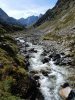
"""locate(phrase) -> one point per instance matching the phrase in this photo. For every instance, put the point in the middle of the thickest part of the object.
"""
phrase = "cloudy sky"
(25, 8)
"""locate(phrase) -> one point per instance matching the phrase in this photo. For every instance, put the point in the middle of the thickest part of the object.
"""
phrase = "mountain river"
(50, 83)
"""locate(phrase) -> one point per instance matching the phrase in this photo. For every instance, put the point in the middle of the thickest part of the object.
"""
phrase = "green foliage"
(17, 28)
(20, 60)
(10, 74)
(52, 36)
(5, 88)
(2, 31)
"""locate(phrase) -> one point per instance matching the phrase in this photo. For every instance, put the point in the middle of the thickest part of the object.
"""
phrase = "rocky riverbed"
(48, 67)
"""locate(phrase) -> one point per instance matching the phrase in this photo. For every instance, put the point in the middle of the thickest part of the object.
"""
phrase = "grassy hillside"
(5, 28)
(15, 83)
(63, 22)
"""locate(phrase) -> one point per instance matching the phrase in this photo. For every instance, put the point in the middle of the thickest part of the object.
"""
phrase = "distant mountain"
(9, 24)
(30, 20)
(9, 20)
(12, 21)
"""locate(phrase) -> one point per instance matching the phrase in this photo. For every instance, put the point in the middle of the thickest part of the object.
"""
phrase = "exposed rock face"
(28, 21)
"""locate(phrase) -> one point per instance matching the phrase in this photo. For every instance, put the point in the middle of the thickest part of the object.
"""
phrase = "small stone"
(27, 64)
(36, 77)
(45, 60)
(26, 45)
(27, 56)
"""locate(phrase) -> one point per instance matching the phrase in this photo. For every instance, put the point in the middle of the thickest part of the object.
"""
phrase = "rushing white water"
(49, 85)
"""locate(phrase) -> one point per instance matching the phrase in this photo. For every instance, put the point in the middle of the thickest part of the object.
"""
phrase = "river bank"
(45, 66)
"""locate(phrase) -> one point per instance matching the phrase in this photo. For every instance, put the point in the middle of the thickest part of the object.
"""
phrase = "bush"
(2, 30)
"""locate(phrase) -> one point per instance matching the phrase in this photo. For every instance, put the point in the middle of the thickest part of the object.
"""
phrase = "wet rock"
(45, 60)
(45, 73)
(33, 50)
(37, 83)
(25, 51)
(36, 77)
(57, 62)
(33, 72)
(26, 45)
(50, 56)
(44, 54)
(53, 77)
(27, 56)
(46, 51)
(27, 64)
(56, 56)
(62, 53)
(64, 61)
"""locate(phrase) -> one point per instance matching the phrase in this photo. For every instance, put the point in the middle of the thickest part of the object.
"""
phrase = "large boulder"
(56, 56)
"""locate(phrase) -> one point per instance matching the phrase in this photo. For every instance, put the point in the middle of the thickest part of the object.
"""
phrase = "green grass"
(2, 30)
(11, 75)
(52, 37)
(44, 25)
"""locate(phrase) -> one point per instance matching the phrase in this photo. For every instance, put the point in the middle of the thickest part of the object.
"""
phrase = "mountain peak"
(29, 20)
(3, 15)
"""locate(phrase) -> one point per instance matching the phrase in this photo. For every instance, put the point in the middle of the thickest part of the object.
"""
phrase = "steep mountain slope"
(30, 20)
(3, 15)
(58, 21)
(57, 29)
(61, 6)
(7, 19)
(8, 24)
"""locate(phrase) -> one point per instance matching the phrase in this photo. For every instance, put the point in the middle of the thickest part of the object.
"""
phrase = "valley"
(36, 60)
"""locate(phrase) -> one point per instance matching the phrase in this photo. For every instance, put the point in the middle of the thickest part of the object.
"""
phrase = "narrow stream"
(50, 83)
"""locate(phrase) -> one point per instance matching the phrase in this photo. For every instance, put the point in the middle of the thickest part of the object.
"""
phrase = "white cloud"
(24, 8)
(25, 13)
